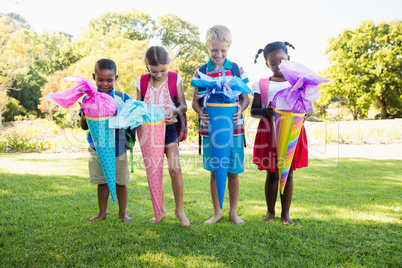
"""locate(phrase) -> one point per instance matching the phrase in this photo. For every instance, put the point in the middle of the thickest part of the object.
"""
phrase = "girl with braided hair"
(264, 155)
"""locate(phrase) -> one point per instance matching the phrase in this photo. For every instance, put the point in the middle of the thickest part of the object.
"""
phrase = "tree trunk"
(383, 107)
(354, 112)
(1, 123)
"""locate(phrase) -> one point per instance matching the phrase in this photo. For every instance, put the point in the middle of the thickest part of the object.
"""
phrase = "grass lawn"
(347, 215)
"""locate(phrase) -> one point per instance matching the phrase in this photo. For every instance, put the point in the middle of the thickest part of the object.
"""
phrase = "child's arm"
(170, 114)
(257, 111)
(138, 94)
(197, 108)
(245, 101)
(182, 100)
(83, 121)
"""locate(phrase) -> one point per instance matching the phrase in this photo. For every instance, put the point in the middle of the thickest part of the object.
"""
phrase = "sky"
(307, 24)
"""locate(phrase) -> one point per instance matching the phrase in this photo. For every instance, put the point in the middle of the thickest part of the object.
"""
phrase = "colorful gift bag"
(287, 127)
(98, 108)
(290, 105)
(151, 136)
(220, 104)
(220, 129)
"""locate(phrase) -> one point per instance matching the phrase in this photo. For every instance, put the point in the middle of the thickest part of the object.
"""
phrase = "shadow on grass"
(43, 222)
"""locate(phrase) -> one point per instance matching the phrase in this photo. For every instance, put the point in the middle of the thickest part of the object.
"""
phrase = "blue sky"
(254, 23)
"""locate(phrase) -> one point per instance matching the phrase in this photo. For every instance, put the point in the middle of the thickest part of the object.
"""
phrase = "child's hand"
(237, 115)
(169, 117)
(83, 121)
(82, 110)
(307, 115)
(270, 110)
(204, 117)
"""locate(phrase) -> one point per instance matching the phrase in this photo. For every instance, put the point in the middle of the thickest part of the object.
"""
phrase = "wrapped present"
(221, 105)
(98, 108)
(290, 105)
(151, 136)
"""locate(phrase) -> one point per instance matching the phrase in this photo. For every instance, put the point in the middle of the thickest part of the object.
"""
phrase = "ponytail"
(289, 45)
(256, 55)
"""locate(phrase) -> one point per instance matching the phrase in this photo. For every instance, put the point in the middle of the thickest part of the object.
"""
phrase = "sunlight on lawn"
(362, 214)
(339, 213)
(5, 192)
(157, 258)
(46, 164)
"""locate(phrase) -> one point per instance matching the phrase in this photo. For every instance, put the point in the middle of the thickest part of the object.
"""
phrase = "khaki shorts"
(95, 169)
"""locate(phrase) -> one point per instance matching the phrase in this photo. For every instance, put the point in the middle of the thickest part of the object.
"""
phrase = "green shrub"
(3, 146)
(192, 125)
(13, 108)
(40, 145)
(13, 138)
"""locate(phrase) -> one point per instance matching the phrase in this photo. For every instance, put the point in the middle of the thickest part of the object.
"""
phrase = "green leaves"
(366, 67)
(35, 64)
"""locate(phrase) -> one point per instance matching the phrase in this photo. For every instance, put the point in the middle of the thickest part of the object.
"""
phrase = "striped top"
(217, 74)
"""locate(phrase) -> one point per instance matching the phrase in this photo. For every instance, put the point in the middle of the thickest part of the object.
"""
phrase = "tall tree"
(133, 25)
(14, 53)
(52, 52)
(183, 39)
(127, 54)
(367, 66)
(130, 25)
(53, 85)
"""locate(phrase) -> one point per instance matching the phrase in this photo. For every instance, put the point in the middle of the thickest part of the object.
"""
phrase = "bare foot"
(125, 218)
(182, 218)
(236, 220)
(97, 218)
(153, 220)
(214, 219)
(269, 217)
(286, 219)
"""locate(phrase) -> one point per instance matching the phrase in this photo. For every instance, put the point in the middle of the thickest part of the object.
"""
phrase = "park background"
(354, 139)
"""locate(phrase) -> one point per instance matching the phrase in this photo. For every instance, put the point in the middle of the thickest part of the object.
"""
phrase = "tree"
(51, 52)
(53, 85)
(14, 54)
(131, 25)
(367, 66)
(183, 39)
(127, 54)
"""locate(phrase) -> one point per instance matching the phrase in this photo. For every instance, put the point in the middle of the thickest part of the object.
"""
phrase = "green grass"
(347, 215)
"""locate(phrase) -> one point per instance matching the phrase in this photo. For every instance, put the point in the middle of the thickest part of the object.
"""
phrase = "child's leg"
(122, 193)
(215, 201)
(163, 210)
(176, 176)
(271, 192)
(233, 187)
(103, 196)
(286, 199)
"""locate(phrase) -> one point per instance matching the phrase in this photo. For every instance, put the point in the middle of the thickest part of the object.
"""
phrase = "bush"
(13, 109)
(40, 134)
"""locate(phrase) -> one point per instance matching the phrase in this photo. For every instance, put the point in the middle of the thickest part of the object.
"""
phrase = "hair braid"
(256, 55)
(289, 45)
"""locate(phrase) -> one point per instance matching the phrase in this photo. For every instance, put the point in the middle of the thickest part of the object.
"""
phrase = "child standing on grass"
(157, 60)
(105, 76)
(218, 43)
(264, 155)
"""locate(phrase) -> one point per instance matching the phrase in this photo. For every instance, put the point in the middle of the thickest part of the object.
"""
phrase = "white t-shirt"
(273, 88)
